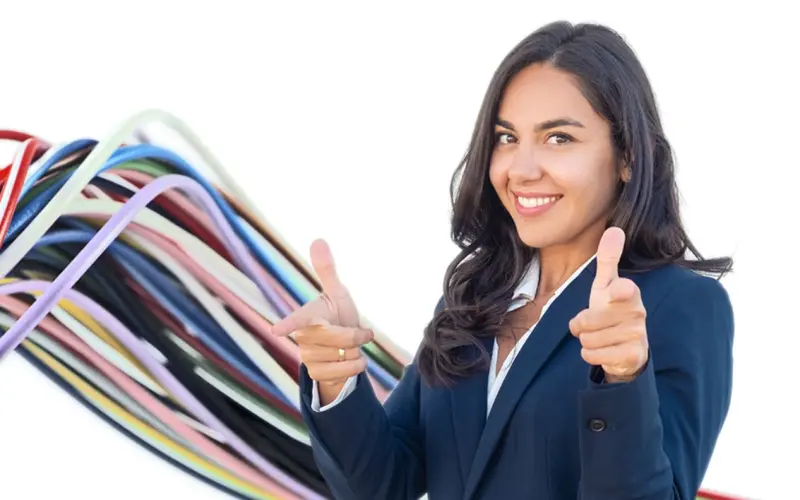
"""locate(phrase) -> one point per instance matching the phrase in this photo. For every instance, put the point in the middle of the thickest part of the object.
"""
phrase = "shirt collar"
(526, 290)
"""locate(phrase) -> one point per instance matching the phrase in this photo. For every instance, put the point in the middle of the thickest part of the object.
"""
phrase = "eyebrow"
(547, 125)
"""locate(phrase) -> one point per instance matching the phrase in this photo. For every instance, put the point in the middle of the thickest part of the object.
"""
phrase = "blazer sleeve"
(652, 438)
(365, 450)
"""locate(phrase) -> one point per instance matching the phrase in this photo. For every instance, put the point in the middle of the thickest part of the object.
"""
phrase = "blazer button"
(597, 425)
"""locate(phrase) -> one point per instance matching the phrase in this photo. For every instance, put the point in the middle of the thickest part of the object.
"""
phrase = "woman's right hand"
(327, 329)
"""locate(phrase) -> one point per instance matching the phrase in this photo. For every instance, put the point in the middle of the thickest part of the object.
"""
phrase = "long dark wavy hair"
(479, 283)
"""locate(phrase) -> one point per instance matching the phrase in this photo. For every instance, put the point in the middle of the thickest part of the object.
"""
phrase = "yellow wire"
(85, 319)
(98, 330)
(98, 399)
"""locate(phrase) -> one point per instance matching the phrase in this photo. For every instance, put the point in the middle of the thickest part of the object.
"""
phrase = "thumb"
(609, 253)
(325, 267)
(320, 309)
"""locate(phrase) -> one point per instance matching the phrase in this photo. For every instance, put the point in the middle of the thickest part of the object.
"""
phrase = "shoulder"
(674, 286)
(686, 311)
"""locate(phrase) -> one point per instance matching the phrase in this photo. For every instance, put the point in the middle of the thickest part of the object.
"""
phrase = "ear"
(626, 174)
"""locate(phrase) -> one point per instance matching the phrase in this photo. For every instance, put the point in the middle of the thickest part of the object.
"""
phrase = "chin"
(537, 239)
(544, 235)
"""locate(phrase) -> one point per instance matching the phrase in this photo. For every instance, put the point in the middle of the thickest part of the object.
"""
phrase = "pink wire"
(283, 345)
(203, 219)
(157, 408)
(90, 253)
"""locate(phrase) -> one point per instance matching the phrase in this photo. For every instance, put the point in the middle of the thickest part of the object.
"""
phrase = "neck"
(559, 262)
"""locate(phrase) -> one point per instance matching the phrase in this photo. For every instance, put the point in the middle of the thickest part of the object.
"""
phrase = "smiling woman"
(554, 166)
(578, 350)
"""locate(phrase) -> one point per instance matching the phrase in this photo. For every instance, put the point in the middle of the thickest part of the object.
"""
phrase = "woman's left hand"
(612, 330)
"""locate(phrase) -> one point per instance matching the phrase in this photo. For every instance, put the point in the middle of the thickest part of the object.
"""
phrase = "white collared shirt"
(524, 293)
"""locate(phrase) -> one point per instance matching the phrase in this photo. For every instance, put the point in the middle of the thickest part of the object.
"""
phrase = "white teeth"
(536, 202)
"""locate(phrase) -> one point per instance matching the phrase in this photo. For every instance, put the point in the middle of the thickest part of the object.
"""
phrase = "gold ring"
(342, 353)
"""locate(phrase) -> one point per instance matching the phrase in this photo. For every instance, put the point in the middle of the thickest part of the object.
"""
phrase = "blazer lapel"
(550, 332)
(468, 405)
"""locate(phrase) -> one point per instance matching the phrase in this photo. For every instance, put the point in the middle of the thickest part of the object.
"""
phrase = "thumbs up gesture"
(612, 330)
(327, 329)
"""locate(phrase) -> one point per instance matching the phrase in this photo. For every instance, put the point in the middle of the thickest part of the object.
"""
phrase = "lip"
(534, 211)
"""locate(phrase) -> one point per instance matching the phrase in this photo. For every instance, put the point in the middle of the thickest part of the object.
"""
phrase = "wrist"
(329, 391)
(610, 378)
(628, 376)
(618, 379)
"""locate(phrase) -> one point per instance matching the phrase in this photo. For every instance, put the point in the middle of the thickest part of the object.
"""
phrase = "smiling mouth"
(534, 204)
(536, 201)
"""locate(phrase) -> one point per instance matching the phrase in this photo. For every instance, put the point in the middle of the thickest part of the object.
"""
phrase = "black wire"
(55, 378)
(104, 282)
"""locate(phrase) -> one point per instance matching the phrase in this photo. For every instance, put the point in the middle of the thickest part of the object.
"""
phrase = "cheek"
(498, 176)
(588, 183)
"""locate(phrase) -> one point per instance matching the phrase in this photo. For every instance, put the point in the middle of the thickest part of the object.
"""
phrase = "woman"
(577, 351)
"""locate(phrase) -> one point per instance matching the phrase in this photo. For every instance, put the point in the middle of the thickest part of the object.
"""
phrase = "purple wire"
(61, 287)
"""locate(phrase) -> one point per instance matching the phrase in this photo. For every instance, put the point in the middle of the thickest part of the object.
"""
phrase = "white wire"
(104, 384)
(225, 272)
(106, 351)
(95, 161)
(266, 363)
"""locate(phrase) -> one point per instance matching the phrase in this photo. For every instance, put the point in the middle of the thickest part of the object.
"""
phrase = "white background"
(345, 121)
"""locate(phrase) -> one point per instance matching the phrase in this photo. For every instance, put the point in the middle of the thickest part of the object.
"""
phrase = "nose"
(525, 165)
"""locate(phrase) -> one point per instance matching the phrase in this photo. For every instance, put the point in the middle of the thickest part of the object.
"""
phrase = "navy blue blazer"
(555, 430)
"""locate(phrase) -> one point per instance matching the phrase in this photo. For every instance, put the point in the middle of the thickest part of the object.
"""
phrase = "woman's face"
(553, 165)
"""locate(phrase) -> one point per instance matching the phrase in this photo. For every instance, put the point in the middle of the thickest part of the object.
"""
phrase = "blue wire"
(195, 318)
(194, 315)
(123, 255)
(126, 154)
(62, 153)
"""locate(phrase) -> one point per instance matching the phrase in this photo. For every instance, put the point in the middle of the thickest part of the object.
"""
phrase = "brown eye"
(559, 139)
(504, 138)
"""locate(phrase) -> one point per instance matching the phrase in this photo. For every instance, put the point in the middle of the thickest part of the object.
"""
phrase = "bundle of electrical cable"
(145, 287)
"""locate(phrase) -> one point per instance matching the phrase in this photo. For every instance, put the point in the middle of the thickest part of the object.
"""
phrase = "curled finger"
(312, 353)
(336, 371)
(334, 336)
(617, 334)
(316, 311)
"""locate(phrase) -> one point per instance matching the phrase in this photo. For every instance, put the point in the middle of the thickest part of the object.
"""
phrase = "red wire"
(30, 148)
(15, 135)
(711, 495)
(37, 146)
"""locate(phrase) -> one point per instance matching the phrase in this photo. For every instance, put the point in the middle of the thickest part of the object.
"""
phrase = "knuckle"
(634, 329)
(595, 340)
(354, 337)
(301, 336)
(306, 335)
(626, 285)
(366, 335)
(579, 321)
(314, 372)
(632, 356)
